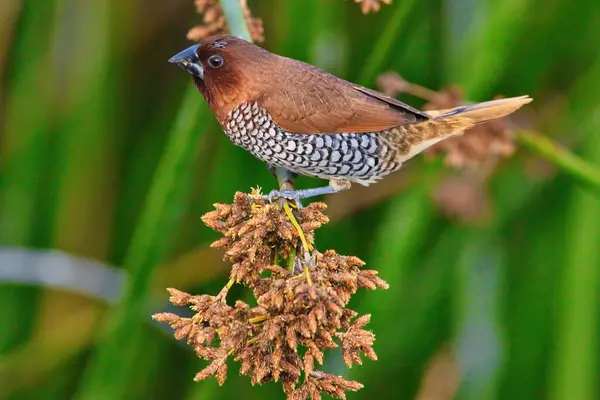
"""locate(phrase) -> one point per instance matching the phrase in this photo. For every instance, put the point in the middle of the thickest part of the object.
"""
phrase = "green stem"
(574, 367)
(235, 19)
(507, 20)
(104, 377)
(560, 157)
(25, 114)
(291, 258)
(576, 324)
(384, 45)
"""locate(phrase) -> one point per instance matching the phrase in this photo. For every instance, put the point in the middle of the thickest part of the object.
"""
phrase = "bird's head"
(227, 70)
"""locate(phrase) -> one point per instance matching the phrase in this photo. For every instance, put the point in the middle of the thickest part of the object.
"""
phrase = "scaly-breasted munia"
(295, 117)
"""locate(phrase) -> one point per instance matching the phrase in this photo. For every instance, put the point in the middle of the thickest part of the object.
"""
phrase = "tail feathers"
(486, 111)
(452, 122)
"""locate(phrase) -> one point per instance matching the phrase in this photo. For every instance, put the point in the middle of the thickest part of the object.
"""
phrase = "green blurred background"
(108, 158)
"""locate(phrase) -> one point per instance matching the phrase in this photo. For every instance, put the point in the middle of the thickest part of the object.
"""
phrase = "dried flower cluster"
(301, 302)
(441, 378)
(464, 198)
(214, 21)
(368, 6)
(483, 144)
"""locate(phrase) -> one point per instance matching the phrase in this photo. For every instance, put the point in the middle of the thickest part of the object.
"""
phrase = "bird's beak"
(189, 61)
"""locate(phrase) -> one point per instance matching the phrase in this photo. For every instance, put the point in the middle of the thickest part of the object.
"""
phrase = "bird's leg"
(283, 176)
(272, 170)
(286, 184)
(335, 186)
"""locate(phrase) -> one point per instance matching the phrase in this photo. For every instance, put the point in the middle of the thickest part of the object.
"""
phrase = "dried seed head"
(392, 84)
(464, 198)
(255, 25)
(368, 6)
(283, 338)
(214, 22)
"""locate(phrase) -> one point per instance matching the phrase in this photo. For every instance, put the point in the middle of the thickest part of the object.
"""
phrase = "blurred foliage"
(107, 152)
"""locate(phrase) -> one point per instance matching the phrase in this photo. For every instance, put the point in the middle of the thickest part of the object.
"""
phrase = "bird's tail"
(455, 121)
(483, 112)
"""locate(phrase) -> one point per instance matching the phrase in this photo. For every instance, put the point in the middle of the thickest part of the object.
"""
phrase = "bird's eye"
(215, 61)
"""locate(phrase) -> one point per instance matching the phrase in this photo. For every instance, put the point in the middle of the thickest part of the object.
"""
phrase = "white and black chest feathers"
(358, 157)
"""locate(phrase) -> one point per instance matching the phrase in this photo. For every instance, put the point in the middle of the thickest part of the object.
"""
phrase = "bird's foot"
(297, 195)
(290, 195)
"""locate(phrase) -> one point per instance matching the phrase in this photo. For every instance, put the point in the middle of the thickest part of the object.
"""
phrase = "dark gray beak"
(189, 61)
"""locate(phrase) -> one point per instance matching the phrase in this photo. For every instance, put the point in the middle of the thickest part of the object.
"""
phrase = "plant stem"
(561, 157)
(104, 378)
(291, 258)
(381, 51)
(235, 19)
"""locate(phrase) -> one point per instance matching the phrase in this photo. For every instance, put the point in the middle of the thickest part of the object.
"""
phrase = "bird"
(301, 120)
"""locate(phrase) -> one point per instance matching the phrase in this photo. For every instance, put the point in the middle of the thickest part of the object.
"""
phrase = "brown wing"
(304, 99)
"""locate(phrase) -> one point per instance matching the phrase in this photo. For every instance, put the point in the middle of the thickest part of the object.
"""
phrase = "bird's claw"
(291, 195)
